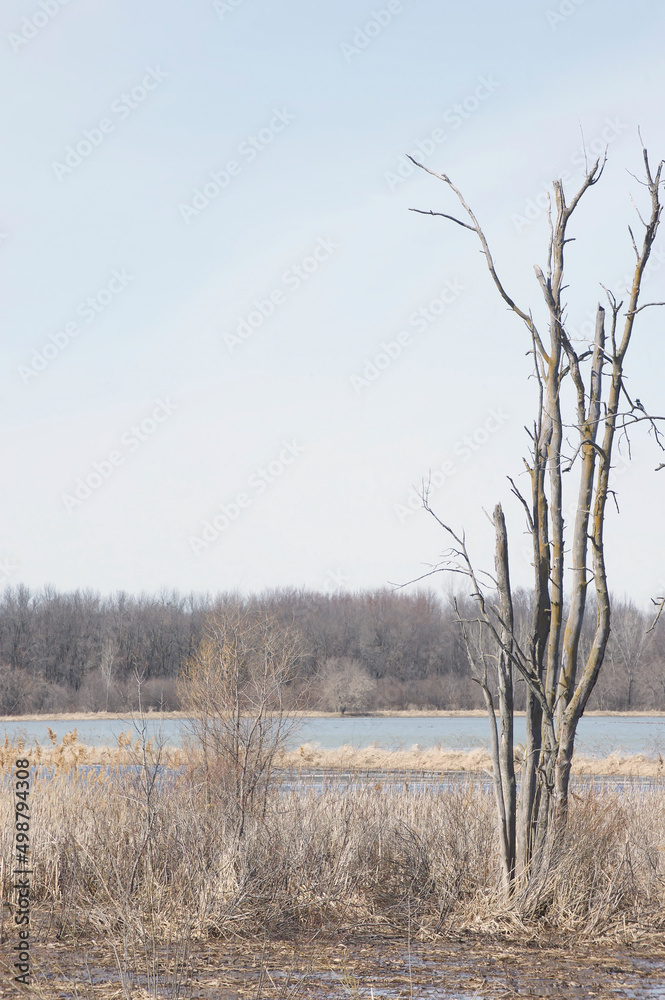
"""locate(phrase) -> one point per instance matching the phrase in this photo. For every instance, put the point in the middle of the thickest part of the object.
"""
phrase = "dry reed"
(70, 752)
(146, 861)
(346, 758)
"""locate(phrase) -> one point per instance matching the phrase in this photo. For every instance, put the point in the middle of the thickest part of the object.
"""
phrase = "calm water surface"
(597, 735)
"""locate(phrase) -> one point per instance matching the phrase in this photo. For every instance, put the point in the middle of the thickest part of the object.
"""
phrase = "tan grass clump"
(141, 854)
(348, 758)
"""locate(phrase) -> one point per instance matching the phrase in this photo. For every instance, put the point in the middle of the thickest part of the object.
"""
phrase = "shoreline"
(407, 713)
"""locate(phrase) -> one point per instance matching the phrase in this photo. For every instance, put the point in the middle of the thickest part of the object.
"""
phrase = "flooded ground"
(364, 967)
(418, 782)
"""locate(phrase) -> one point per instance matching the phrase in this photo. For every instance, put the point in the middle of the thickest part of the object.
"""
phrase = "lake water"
(597, 735)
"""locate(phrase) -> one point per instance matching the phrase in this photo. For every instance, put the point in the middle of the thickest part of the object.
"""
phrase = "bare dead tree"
(659, 603)
(559, 680)
(501, 735)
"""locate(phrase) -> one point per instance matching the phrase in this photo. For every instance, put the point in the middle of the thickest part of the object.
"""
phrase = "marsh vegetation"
(140, 858)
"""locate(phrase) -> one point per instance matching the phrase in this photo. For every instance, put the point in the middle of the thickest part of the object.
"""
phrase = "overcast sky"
(230, 352)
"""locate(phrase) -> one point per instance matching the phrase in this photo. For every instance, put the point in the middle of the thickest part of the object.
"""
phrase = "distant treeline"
(369, 650)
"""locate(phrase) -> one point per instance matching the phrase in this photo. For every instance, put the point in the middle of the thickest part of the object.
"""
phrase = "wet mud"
(356, 966)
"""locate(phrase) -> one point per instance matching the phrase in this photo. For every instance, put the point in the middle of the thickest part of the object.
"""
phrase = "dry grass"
(71, 753)
(145, 861)
(346, 758)
(139, 863)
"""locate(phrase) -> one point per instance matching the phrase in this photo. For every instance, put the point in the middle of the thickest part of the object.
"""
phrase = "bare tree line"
(365, 651)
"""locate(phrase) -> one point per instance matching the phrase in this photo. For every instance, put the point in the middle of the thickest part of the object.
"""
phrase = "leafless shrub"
(346, 686)
(234, 688)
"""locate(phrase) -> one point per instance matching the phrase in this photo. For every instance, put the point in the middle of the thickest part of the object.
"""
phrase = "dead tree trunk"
(558, 682)
(501, 735)
(506, 705)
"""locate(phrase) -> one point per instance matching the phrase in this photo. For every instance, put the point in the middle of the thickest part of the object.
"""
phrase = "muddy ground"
(360, 966)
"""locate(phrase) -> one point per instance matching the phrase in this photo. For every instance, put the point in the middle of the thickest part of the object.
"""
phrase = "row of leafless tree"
(372, 650)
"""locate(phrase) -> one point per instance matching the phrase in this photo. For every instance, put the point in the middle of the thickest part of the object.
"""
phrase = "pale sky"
(230, 352)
